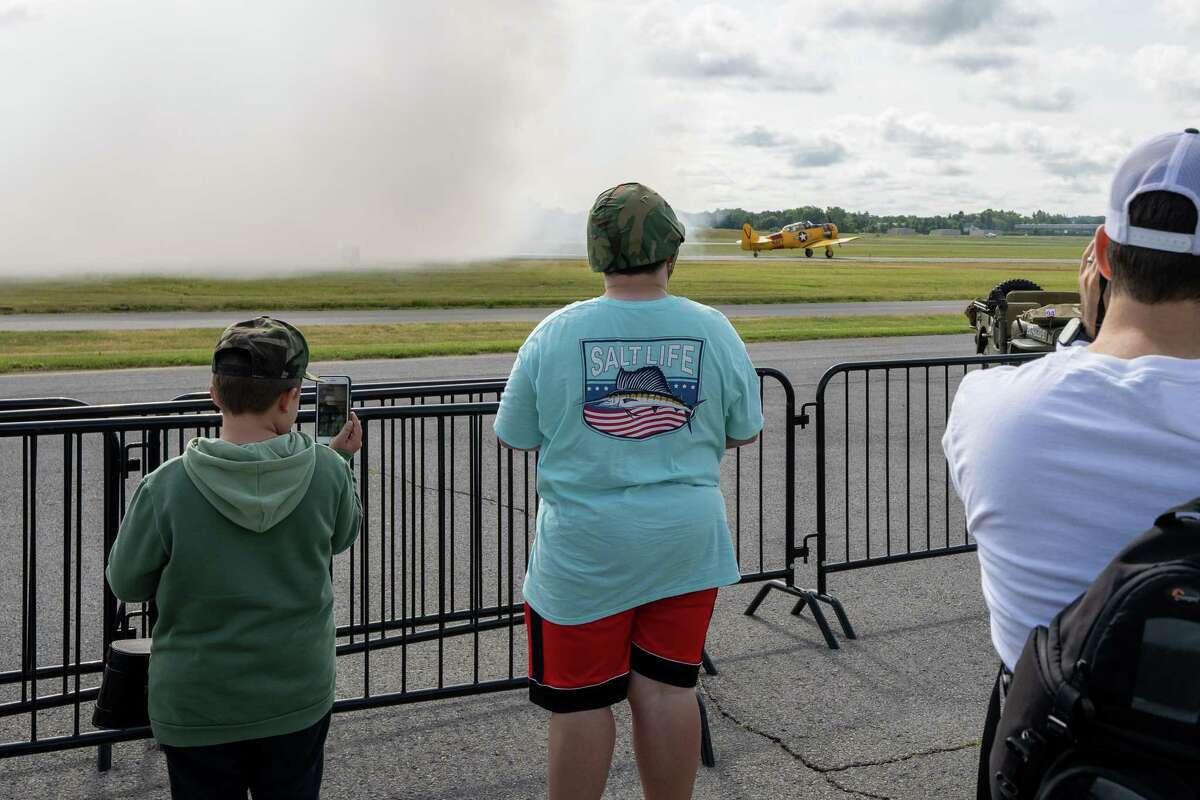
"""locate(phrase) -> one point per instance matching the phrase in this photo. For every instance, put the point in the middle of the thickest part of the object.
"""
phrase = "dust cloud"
(223, 137)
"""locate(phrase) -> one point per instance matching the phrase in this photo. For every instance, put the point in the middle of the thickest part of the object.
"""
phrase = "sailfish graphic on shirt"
(640, 405)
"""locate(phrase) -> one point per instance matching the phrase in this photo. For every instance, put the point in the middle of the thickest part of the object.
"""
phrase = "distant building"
(902, 232)
(945, 232)
(1067, 228)
(975, 231)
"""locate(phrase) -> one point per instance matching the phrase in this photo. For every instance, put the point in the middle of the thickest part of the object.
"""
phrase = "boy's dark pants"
(273, 768)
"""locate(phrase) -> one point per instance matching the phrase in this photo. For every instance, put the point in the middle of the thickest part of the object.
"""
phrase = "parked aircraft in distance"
(798, 234)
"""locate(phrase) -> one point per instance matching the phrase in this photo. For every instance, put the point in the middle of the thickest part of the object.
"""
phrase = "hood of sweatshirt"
(254, 486)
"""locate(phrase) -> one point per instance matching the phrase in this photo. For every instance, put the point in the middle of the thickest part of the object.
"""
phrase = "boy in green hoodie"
(233, 540)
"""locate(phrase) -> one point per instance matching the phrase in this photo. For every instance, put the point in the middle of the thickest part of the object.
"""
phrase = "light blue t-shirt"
(629, 403)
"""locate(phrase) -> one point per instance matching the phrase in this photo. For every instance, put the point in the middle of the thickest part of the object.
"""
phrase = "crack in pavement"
(827, 773)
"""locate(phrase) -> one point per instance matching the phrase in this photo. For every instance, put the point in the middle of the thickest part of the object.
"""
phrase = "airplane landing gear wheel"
(829, 252)
(808, 252)
(756, 254)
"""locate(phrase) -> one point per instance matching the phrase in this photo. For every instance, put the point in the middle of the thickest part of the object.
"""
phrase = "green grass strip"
(526, 283)
(31, 351)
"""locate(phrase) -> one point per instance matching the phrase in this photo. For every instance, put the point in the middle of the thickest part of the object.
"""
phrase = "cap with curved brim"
(1168, 163)
(264, 349)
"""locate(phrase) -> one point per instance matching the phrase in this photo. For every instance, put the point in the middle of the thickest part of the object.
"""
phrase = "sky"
(161, 135)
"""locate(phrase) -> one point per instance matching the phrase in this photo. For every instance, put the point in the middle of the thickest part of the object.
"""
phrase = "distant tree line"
(866, 222)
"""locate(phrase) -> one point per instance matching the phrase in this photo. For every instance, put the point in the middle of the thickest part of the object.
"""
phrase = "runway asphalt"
(217, 319)
(893, 714)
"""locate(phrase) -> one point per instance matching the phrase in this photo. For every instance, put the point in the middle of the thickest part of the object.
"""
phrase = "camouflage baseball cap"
(630, 226)
(264, 348)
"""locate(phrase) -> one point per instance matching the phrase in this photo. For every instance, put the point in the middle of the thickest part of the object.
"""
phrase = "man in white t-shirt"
(1063, 461)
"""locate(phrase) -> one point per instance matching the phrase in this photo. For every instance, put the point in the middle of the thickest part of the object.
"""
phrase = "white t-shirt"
(1060, 463)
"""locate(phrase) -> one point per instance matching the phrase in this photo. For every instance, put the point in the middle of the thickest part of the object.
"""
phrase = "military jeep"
(1018, 316)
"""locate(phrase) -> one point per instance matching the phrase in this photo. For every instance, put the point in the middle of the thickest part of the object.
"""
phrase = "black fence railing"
(24, 403)
(426, 601)
(882, 488)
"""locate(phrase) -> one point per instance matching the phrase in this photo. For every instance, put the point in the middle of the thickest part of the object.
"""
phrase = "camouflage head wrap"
(631, 226)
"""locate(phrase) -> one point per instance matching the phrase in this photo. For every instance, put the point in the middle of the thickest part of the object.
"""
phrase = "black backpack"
(1105, 702)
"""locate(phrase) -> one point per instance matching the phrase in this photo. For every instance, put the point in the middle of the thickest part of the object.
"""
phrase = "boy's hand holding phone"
(349, 441)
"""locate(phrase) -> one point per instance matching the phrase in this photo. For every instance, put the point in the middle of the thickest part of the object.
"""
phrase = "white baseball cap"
(1167, 163)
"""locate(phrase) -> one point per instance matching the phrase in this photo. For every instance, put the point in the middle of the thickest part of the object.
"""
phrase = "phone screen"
(333, 407)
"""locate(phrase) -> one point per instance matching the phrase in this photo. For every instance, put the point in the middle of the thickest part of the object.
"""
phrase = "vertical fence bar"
(907, 459)
(946, 464)
(511, 519)
(789, 481)
(927, 503)
(66, 561)
(78, 576)
(27, 496)
(33, 596)
(846, 458)
(761, 445)
(441, 512)
(820, 490)
(867, 457)
(364, 550)
(887, 457)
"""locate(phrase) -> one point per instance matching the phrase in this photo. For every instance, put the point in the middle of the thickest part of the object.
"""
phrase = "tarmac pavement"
(893, 714)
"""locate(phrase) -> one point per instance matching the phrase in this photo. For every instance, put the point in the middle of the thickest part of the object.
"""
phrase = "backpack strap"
(1190, 509)
(1062, 713)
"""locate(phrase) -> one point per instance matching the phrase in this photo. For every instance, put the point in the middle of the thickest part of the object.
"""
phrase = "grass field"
(526, 283)
(69, 350)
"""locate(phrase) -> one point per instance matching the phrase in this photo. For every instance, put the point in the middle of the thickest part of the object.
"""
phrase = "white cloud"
(1185, 12)
(975, 60)
(1026, 78)
(760, 137)
(812, 149)
(14, 15)
(921, 134)
(718, 45)
(819, 151)
(1170, 70)
(1063, 152)
(1032, 97)
(935, 21)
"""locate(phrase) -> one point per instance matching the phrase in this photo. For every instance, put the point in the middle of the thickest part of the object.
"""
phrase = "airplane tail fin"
(747, 236)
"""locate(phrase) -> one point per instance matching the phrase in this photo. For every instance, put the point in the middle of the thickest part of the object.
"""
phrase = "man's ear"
(284, 403)
(212, 392)
(1101, 254)
(671, 265)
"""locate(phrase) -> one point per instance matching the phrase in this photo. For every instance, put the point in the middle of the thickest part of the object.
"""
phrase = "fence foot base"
(104, 758)
(707, 663)
(843, 620)
(813, 601)
(707, 757)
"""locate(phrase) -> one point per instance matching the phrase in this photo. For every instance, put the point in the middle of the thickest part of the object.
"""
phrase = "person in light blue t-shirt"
(630, 399)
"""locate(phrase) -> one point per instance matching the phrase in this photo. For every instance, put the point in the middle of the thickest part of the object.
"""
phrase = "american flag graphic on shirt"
(638, 389)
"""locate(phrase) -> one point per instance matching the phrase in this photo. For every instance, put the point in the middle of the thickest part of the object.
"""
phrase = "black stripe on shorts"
(663, 670)
(565, 701)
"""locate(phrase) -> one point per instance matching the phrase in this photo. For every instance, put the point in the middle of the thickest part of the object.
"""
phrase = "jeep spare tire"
(1013, 285)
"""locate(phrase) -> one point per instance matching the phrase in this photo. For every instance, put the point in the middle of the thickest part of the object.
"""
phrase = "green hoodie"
(233, 544)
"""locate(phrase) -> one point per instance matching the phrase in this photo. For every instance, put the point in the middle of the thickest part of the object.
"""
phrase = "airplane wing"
(837, 241)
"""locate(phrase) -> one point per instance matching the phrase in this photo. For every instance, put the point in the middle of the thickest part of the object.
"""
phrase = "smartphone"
(333, 406)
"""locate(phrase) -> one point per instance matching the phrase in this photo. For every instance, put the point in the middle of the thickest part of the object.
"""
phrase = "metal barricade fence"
(882, 489)
(24, 403)
(427, 599)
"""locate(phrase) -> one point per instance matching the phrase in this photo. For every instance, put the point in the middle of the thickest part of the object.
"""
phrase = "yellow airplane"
(799, 234)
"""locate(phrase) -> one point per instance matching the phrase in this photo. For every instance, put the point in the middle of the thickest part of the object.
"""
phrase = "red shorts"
(581, 667)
